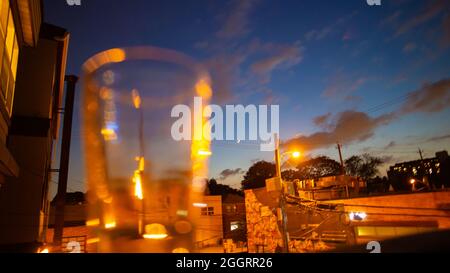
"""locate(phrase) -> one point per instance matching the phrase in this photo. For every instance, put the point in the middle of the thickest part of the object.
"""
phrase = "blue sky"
(384, 68)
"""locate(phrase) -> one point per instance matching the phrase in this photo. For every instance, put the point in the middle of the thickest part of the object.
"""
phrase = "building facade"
(78, 237)
(234, 221)
(32, 83)
(315, 226)
(209, 230)
(325, 188)
(434, 173)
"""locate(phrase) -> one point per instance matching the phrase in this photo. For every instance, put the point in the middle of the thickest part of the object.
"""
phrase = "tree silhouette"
(290, 175)
(257, 174)
(365, 166)
(214, 188)
(321, 166)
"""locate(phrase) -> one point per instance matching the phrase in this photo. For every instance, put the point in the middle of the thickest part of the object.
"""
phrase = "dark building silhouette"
(33, 56)
(234, 221)
(434, 173)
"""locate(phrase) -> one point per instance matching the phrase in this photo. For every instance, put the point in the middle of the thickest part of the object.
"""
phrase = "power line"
(389, 103)
(315, 208)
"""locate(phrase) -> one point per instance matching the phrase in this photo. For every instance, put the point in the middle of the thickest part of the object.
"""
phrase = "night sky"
(375, 78)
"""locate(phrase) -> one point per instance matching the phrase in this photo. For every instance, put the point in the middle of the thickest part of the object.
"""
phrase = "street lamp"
(204, 153)
(295, 154)
(200, 205)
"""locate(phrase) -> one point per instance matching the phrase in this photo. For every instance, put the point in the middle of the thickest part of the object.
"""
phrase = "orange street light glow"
(204, 153)
(136, 99)
(155, 236)
(110, 225)
(296, 154)
(203, 89)
(155, 232)
(200, 205)
(412, 181)
(141, 164)
(93, 241)
(180, 250)
(93, 223)
(109, 134)
(44, 251)
(138, 186)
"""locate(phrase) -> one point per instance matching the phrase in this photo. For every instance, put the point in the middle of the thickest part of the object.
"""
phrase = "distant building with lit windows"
(433, 172)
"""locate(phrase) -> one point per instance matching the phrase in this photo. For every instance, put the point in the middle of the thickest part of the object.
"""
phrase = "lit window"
(9, 54)
(235, 225)
(231, 208)
(209, 211)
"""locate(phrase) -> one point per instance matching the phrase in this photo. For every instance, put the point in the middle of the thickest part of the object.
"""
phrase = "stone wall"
(263, 232)
(80, 231)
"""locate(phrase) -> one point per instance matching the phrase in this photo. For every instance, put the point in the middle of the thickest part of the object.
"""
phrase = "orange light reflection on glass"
(203, 89)
(136, 99)
(93, 223)
(109, 134)
(110, 225)
(44, 251)
(155, 232)
(138, 185)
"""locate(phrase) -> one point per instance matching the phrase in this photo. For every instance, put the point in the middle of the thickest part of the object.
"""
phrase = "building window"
(9, 55)
(389, 232)
(235, 225)
(209, 211)
(231, 208)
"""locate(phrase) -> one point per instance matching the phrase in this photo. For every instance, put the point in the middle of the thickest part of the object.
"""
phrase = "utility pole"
(282, 198)
(421, 154)
(424, 171)
(71, 82)
(339, 147)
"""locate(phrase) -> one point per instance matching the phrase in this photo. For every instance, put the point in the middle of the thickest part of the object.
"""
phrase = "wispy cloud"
(238, 63)
(391, 144)
(323, 120)
(225, 70)
(430, 98)
(409, 47)
(347, 127)
(283, 56)
(439, 138)
(342, 86)
(236, 23)
(446, 28)
(433, 9)
(230, 172)
(201, 45)
(249, 66)
(353, 126)
(391, 19)
(326, 31)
